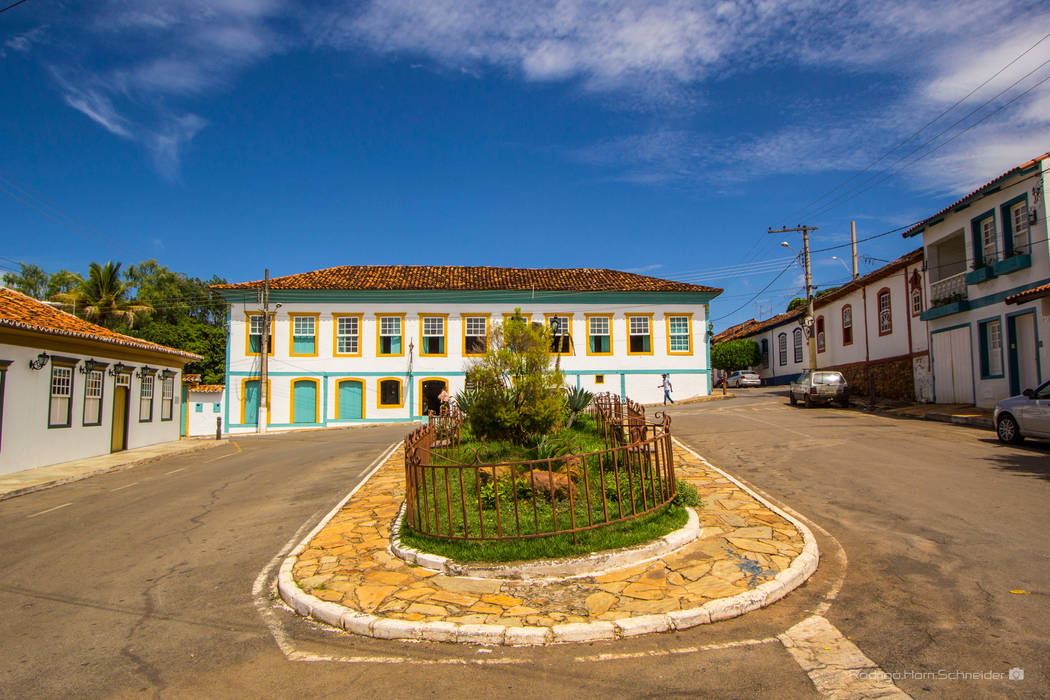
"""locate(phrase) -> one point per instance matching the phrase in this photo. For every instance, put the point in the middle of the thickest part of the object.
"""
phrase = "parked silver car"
(738, 379)
(820, 386)
(1027, 415)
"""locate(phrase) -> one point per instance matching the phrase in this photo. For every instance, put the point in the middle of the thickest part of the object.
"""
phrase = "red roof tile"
(208, 388)
(20, 311)
(1023, 166)
(1042, 290)
(455, 277)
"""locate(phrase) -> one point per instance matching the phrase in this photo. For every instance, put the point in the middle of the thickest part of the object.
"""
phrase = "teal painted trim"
(1011, 325)
(981, 274)
(578, 376)
(933, 372)
(439, 373)
(438, 296)
(411, 395)
(1013, 263)
(1008, 222)
(945, 310)
(983, 301)
(226, 394)
(623, 385)
(984, 350)
(343, 421)
(324, 402)
(978, 244)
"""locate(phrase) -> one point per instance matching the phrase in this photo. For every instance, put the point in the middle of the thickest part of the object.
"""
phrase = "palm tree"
(101, 298)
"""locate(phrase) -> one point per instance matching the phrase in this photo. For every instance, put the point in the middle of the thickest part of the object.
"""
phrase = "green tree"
(103, 298)
(799, 302)
(517, 394)
(31, 280)
(194, 336)
(733, 355)
(63, 281)
(173, 295)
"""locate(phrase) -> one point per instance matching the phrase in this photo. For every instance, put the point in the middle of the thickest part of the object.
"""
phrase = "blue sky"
(228, 136)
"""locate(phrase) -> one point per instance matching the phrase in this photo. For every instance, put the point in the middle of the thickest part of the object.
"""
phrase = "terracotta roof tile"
(749, 328)
(208, 388)
(1042, 290)
(20, 311)
(1023, 166)
(454, 277)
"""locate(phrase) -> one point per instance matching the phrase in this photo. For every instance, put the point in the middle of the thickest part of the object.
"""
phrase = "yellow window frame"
(379, 322)
(667, 324)
(627, 318)
(588, 318)
(572, 343)
(244, 384)
(317, 399)
(291, 333)
(248, 333)
(400, 392)
(420, 390)
(444, 335)
(463, 322)
(360, 334)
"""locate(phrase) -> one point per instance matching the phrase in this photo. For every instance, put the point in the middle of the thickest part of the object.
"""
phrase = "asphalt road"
(141, 582)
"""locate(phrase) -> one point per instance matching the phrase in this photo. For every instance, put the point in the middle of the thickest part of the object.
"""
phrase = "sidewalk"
(960, 414)
(743, 557)
(39, 478)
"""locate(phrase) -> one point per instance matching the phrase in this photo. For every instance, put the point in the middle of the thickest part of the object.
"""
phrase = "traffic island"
(745, 554)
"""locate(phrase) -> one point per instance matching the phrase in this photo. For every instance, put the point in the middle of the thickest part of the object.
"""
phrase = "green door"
(350, 398)
(305, 398)
(251, 402)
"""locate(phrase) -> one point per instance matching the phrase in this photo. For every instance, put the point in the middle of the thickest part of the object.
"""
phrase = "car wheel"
(791, 398)
(1008, 430)
(809, 401)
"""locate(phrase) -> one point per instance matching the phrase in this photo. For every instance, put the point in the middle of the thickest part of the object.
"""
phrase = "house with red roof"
(362, 343)
(70, 389)
(988, 288)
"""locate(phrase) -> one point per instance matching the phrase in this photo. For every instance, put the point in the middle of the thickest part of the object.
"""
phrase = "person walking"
(666, 386)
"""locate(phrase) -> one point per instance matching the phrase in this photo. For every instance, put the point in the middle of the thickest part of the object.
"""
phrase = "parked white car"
(1027, 415)
(738, 379)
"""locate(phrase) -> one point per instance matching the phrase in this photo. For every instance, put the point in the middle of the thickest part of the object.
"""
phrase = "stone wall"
(892, 378)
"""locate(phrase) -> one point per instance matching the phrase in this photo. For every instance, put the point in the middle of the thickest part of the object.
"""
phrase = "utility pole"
(853, 241)
(264, 395)
(804, 230)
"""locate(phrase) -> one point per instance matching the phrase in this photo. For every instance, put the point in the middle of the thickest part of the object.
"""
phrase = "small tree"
(516, 392)
(734, 355)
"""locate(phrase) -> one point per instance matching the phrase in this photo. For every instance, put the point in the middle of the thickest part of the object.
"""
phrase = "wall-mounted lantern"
(40, 361)
(90, 366)
(119, 368)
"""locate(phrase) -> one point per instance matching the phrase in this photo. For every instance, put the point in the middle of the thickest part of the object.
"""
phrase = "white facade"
(872, 321)
(985, 248)
(49, 415)
(201, 409)
(328, 377)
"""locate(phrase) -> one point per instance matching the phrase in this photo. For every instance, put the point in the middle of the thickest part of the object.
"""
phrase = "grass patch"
(642, 529)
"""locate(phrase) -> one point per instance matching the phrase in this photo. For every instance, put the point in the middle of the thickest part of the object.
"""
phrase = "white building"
(202, 407)
(358, 344)
(870, 329)
(986, 255)
(70, 389)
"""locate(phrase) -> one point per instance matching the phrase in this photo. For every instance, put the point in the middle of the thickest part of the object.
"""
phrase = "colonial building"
(201, 406)
(70, 389)
(870, 329)
(988, 264)
(356, 344)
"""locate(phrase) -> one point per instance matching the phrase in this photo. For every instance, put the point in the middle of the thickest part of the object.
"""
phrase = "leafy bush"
(687, 495)
(516, 392)
(577, 399)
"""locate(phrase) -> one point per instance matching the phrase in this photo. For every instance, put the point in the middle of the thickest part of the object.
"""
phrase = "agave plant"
(465, 400)
(577, 399)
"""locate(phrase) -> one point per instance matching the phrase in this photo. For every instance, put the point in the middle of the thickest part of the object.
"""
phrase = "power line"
(12, 5)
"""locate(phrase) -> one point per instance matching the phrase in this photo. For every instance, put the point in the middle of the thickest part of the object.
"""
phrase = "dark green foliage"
(29, 280)
(577, 399)
(799, 302)
(103, 298)
(687, 495)
(194, 336)
(516, 392)
(733, 355)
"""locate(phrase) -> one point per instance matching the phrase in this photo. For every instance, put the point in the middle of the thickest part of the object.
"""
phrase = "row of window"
(433, 334)
(884, 304)
(60, 407)
(1014, 221)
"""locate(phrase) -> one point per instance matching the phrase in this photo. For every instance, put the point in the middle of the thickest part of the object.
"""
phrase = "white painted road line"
(49, 510)
(837, 667)
(125, 486)
(229, 454)
(173, 471)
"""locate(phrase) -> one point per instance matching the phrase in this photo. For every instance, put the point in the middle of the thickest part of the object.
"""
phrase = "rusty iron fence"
(452, 494)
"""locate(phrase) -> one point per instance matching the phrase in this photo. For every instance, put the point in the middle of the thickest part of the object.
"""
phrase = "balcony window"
(1019, 224)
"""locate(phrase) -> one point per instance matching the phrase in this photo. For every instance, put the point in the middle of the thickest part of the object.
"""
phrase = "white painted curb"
(390, 628)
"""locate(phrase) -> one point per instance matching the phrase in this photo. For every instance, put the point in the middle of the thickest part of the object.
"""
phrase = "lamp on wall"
(119, 368)
(90, 366)
(145, 370)
(40, 361)
(167, 373)
(710, 330)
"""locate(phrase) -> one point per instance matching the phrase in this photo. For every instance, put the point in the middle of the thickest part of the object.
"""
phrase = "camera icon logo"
(1016, 674)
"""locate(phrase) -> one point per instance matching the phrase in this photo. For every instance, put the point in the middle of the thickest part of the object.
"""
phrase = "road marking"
(229, 454)
(174, 471)
(835, 665)
(776, 425)
(125, 486)
(49, 510)
(673, 652)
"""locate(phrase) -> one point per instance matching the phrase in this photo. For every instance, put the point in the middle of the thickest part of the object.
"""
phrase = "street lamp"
(835, 257)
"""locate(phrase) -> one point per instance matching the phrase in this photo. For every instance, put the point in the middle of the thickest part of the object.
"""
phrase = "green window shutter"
(199, 408)
(303, 345)
(646, 344)
(255, 343)
(395, 345)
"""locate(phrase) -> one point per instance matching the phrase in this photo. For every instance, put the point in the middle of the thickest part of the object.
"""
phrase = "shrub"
(687, 495)
(516, 392)
(577, 399)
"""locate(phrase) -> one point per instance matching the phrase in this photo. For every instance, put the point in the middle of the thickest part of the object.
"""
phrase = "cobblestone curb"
(565, 568)
(365, 624)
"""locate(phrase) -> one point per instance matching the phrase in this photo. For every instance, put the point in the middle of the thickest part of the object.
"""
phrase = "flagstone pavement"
(742, 545)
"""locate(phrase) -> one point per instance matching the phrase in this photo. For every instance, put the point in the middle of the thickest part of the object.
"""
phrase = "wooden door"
(119, 435)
